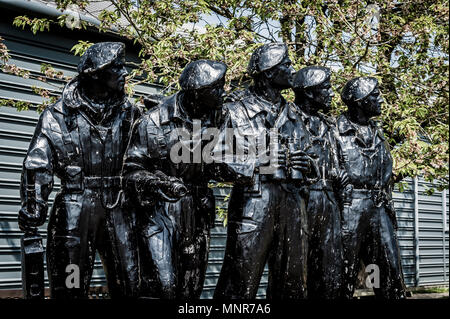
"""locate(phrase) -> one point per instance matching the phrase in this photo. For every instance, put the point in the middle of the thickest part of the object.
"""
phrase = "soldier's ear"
(269, 74)
(309, 94)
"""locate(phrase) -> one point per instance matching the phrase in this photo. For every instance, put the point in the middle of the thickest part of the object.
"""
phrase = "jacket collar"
(347, 127)
(72, 99)
(170, 108)
(255, 104)
(344, 125)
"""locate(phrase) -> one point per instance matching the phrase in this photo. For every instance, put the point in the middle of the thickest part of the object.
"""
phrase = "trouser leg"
(157, 256)
(325, 246)
(192, 245)
(70, 248)
(353, 233)
(288, 257)
(249, 236)
(387, 258)
(193, 261)
(117, 246)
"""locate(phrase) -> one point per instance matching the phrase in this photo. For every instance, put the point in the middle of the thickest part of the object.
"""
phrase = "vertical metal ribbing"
(416, 231)
(444, 226)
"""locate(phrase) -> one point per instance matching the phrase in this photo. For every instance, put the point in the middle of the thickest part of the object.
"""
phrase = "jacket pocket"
(74, 180)
(246, 227)
(151, 230)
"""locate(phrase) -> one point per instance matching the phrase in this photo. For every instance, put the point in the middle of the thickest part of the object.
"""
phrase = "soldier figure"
(82, 139)
(313, 93)
(368, 216)
(266, 212)
(174, 226)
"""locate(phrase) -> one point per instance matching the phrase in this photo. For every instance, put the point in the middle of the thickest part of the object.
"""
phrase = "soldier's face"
(323, 95)
(114, 75)
(212, 96)
(372, 103)
(283, 74)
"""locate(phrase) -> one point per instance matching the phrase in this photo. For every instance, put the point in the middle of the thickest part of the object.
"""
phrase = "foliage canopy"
(405, 44)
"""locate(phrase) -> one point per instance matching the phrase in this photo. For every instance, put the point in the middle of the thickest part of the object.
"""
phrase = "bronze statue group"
(313, 213)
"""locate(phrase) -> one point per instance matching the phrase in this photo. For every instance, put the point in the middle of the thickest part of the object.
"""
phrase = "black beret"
(358, 88)
(202, 73)
(311, 76)
(266, 57)
(100, 55)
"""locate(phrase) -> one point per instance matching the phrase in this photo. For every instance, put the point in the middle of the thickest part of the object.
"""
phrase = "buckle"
(377, 197)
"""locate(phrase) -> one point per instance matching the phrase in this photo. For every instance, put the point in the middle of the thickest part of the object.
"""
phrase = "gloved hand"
(300, 160)
(170, 188)
(30, 220)
(342, 179)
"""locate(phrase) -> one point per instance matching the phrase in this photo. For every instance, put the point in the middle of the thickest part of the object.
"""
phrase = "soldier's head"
(362, 94)
(270, 63)
(202, 84)
(312, 84)
(103, 66)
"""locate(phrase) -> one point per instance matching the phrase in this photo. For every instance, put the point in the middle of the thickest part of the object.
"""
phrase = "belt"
(377, 195)
(95, 182)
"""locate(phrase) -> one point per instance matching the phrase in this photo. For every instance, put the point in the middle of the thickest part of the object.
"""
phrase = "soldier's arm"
(36, 180)
(226, 167)
(143, 181)
(341, 184)
(388, 190)
(137, 166)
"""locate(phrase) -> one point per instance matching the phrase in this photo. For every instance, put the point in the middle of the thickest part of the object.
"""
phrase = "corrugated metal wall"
(16, 128)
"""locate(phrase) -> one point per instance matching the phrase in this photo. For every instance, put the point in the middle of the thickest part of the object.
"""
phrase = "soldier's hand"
(170, 188)
(282, 158)
(343, 179)
(28, 221)
(300, 160)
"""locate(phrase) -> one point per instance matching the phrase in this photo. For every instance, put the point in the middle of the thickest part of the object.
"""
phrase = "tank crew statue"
(81, 139)
(174, 226)
(266, 212)
(368, 216)
(313, 95)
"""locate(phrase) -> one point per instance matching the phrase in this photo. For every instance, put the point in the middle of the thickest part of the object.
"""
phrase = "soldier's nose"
(291, 69)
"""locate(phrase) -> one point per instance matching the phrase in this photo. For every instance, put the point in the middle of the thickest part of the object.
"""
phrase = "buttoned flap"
(73, 171)
(246, 227)
(152, 130)
(156, 141)
(54, 127)
(151, 230)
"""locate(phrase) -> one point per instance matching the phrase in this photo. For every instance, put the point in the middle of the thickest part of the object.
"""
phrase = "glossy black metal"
(266, 212)
(174, 226)
(368, 216)
(313, 95)
(81, 139)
